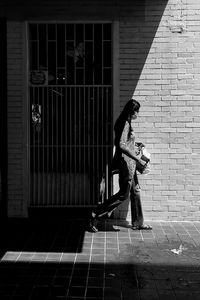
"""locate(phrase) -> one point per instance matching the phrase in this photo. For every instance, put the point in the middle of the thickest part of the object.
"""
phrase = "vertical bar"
(38, 157)
(93, 144)
(56, 146)
(106, 144)
(70, 145)
(52, 150)
(47, 122)
(84, 144)
(103, 112)
(79, 147)
(93, 52)
(84, 55)
(43, 147)
(33, 190)
(38, 46)
(75, 149)
(102, 58)
(47, 145)
(56, 122)
(102, 132)
(61, 146)
(34, 155)
(66, 196)
(98, 150)
(74, 56)
(89, 141)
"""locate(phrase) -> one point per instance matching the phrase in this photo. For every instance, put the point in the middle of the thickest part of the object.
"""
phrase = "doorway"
(71, 112)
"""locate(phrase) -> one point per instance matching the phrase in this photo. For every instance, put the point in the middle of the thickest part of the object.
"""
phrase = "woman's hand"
(141, 162)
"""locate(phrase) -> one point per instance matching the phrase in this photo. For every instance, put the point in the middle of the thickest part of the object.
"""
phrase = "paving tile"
(112, 292)
(97, 258)
(58, 291)
(99, 273)
(78, 272)
(146, 294)
(43, 280)
(111, 246)
(59, 281)
(166, 295)
(11, 256)
(76, 291)
(94, 292)
(183, 295)
(130, 294)
(67, 257)
(163, 284)
(95, 281)
(98, 251)
(80, 258)
(97, 245)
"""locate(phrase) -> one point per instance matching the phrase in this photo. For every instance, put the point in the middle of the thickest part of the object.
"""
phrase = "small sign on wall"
(38, 77)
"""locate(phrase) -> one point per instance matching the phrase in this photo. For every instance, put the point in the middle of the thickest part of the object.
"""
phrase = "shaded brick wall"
(16, 155)
(3, 119)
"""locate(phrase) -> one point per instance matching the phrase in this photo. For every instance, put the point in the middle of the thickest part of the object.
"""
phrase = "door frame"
(115, 87)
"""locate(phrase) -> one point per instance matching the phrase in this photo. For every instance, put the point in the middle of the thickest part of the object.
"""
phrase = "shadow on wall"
(136, 36)
(137, 31)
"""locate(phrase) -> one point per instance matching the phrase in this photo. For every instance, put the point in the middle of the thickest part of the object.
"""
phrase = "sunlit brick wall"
(160, 67)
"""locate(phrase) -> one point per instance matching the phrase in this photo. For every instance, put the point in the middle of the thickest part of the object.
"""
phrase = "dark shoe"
(91, 226)
(141, 227)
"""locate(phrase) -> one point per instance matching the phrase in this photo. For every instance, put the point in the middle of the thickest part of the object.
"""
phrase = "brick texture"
(16, 172)
(159, 66)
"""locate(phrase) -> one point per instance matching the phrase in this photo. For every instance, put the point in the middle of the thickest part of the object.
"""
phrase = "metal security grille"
(70, 94)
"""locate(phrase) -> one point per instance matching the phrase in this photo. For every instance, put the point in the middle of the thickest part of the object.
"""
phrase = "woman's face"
(135, 115)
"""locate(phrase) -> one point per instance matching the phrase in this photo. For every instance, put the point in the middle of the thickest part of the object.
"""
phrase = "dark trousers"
(129, 188)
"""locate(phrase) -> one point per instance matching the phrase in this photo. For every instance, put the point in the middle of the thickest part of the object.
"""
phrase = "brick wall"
(17, 201)
(168, 89)
(159, 47)
(3, 120)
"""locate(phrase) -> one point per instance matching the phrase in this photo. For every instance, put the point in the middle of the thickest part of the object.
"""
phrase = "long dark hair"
(129, 109)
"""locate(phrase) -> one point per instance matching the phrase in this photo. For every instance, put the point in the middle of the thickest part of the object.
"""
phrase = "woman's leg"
(114, 201)
(136, 206)
(111, 204)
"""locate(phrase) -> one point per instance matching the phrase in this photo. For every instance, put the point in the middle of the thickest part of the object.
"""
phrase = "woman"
(125, 160)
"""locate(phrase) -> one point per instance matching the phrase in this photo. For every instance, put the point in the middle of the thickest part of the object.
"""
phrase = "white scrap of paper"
(179, 250)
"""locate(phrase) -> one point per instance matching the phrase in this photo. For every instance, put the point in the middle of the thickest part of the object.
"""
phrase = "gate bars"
(70, 94)
(70, 144)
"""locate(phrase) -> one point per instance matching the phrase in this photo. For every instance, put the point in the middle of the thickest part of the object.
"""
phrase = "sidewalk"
(63, 261)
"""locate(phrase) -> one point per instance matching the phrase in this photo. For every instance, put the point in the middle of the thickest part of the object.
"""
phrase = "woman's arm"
(123, 143)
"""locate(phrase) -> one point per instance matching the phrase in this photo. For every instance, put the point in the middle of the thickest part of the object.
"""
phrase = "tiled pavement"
(60, 260)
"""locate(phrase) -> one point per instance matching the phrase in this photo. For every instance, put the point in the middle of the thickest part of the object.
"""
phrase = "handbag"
(142, 166)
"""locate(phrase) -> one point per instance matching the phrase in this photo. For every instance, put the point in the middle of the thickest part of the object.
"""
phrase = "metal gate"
(70, 94)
